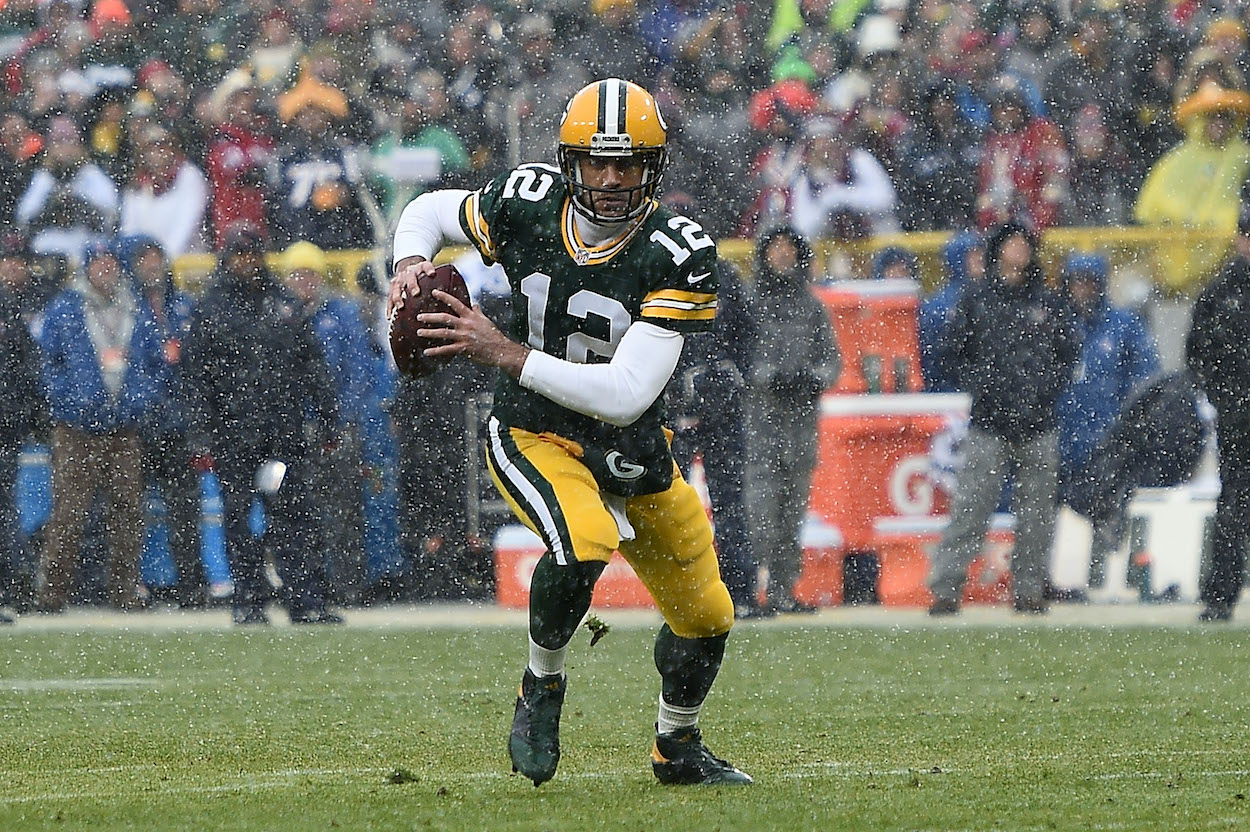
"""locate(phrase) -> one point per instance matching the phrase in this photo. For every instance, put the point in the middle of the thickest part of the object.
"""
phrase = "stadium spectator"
(1218, 354)
(257, 389)
(964, 256)
(617, 22)
(1024, 165)
(317, 186)
(1198, 184)
(776, 114)
(238, 161)
(1117, 356)
(1090, 76)
(795, 359)
(1037, 48)
(1012, 345)
(104, 371)
(893, 263)
(841, 191)
(167, 196)
(23, 412)
(939, 161)
(69, 202)
(19, 151)
(167, 451)
(335, 471)
(423, 121)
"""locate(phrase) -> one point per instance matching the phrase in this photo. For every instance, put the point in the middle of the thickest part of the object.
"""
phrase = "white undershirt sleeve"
(617, 392)
(428, 222)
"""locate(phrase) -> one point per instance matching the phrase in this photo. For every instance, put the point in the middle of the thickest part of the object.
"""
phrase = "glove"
(203, 462)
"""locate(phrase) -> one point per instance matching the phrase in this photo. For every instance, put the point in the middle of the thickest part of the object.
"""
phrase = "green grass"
(844, 729)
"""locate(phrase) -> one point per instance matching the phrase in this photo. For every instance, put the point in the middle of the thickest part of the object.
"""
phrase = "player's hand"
(405, 283)
(471, 334)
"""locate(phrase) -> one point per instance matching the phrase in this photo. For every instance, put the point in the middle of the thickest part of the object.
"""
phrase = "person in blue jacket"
(168, 458)
(338, 483)
(965, 262)
(105, 374)
(1118, 354)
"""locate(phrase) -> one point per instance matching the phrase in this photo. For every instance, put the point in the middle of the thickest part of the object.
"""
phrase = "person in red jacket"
(237, 162)
(1024, 167)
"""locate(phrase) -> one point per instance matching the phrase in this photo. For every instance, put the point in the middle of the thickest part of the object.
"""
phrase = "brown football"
(408, 347)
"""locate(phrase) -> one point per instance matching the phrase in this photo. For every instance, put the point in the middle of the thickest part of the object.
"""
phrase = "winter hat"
(1225, 27)
(304, 255)
(601, 6)
(1212, 98)
(1094, 266)
(310, 92)
(109, 11)
(95, 250)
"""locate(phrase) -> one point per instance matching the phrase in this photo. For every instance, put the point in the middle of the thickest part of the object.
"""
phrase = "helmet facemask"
(586, 198)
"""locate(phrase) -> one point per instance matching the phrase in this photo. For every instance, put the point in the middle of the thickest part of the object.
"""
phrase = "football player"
(605, 283)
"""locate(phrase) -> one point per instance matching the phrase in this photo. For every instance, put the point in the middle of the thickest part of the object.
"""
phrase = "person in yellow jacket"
(1197, 184)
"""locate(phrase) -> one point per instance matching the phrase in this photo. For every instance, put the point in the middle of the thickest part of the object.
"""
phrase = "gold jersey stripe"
(594, 255)
(666, 313)
(677, 304)
(478, 227)
(679, 295)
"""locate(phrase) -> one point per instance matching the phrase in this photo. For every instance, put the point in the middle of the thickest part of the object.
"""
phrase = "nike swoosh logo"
(698, 278)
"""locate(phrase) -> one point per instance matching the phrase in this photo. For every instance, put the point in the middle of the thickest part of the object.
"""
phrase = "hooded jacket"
(253, 372)
(23, 406)
(938, 311)
(795, 357)
(1012, 348)
(73, 375)
(1117, 356)
(1217, 349)
(1197, 186)
(173, 324)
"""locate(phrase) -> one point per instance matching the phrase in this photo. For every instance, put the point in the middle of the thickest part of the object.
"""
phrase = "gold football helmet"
(612, 118)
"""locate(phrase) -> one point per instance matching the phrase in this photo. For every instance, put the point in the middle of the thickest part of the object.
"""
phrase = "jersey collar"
(588, 255)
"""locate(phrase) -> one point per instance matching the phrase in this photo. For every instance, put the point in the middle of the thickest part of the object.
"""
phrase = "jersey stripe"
(477, 226)
(669, 314)
(603, 253)
(678, 295)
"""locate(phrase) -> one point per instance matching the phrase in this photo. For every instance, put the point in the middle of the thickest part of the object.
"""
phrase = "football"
(408, 347)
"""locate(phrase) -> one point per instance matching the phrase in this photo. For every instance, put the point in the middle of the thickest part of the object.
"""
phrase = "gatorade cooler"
(874, 460)
(875, 324)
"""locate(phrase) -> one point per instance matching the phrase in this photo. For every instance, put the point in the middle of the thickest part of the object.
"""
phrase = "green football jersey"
(575, 301)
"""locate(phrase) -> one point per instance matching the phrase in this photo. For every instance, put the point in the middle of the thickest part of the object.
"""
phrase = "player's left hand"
(470, 334)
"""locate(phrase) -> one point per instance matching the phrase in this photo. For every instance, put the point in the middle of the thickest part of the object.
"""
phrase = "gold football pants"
(544, 482)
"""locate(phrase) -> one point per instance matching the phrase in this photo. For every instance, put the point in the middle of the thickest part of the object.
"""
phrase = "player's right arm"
(427, 223)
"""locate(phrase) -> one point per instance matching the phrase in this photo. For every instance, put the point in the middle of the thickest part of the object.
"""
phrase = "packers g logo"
(622, 467)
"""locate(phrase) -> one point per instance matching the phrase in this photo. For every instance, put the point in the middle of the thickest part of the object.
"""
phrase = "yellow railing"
(1134, 249)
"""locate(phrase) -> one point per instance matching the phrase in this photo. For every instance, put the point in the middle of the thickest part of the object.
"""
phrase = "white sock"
(672, 718)
(544, 662)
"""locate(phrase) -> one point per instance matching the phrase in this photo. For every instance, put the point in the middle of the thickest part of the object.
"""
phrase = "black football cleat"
(681, 759)
(534, 744)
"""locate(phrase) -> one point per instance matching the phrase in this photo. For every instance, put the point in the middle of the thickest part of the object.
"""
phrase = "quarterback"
(605, 284)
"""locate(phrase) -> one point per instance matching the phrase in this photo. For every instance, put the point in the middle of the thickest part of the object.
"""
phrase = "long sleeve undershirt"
(617, 392)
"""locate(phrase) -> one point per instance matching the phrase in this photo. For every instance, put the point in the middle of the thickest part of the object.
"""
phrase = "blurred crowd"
(316, 120)
(133, 132)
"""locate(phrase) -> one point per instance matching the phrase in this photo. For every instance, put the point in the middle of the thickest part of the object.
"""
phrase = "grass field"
(876, 721)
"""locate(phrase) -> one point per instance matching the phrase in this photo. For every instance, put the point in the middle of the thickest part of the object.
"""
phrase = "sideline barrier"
(1136, 249)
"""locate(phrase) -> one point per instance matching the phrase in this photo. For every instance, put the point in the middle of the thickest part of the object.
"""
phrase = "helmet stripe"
(603, 105)
(614, 108)
(624, 125)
